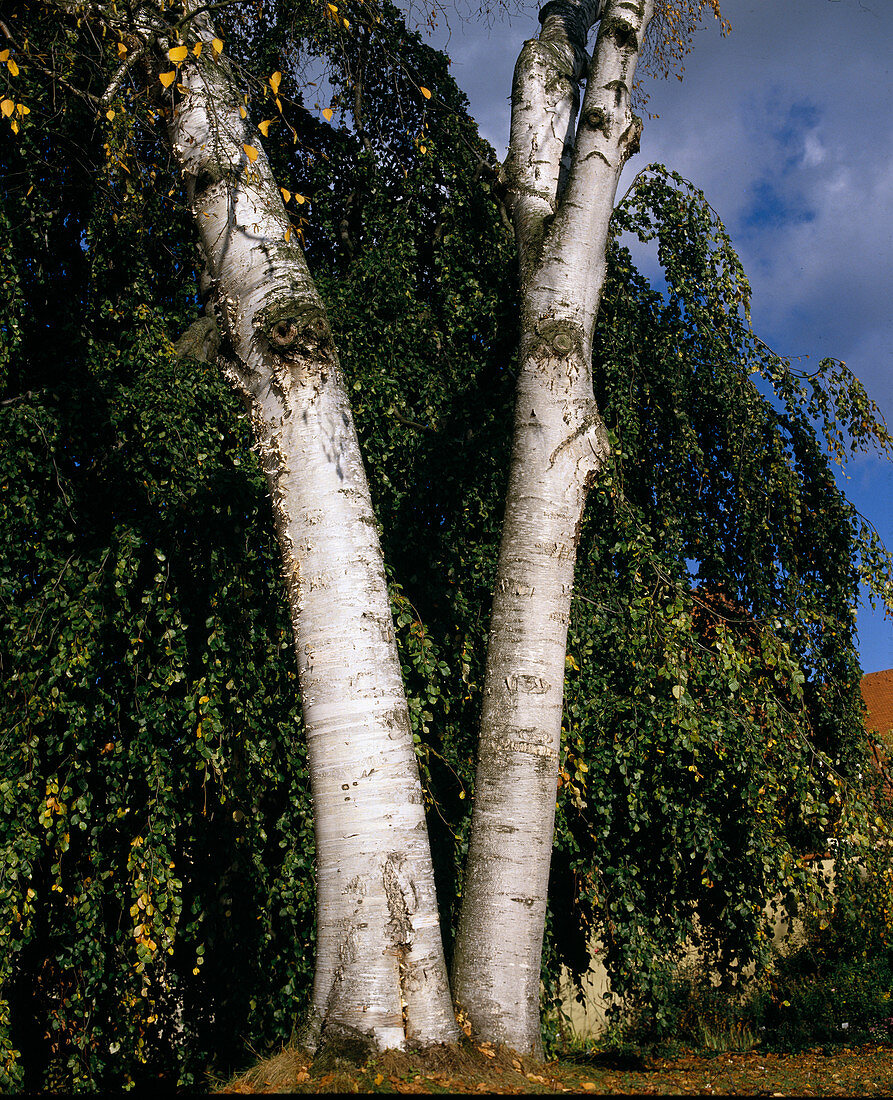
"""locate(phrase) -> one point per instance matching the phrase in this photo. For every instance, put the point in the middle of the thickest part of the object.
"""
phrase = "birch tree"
(561, 173)
(379, 964)
(564, 162)
(379, 967)
(380, 970)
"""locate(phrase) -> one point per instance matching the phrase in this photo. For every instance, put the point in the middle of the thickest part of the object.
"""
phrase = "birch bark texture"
(562, 170)
(380, 970)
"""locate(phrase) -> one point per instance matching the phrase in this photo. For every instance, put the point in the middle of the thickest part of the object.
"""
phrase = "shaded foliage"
(152, 816)
(155, 837)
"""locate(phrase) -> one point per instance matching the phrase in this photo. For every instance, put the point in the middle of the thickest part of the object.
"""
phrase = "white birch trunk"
(379, 968)
(562, 182)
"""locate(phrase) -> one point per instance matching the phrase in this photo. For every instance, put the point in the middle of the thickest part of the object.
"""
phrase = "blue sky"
(786, 126)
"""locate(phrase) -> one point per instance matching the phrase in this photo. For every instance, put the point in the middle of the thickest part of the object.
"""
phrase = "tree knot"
(558, 339)
(294, 328)
(597, 118)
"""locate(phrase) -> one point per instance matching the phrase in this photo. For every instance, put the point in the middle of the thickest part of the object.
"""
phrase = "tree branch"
(545, 102)
(28, 395)
(34, 63)
(126, 65)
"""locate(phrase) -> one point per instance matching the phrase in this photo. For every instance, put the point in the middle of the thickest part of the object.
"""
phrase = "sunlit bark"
(562, 171)
(379, 967)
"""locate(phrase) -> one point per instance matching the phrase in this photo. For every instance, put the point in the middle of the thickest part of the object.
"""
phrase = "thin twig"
(29, 395)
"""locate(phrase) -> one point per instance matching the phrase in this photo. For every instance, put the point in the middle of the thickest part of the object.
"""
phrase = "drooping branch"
(28, 395)
(123, 69)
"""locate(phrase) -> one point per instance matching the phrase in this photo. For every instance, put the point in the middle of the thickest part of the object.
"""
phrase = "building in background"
(877, 695)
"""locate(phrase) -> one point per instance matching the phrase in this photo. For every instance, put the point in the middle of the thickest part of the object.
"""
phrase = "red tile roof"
(877, 694)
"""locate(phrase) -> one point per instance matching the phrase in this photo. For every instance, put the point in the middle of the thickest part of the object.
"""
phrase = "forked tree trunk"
(379, 968)
(562, 176)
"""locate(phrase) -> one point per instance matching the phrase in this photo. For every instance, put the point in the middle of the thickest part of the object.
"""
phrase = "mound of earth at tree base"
(483, 1069)
(464, 1067)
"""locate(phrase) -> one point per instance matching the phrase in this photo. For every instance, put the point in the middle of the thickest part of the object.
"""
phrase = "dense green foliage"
(153, 816)
(714, 685)
(156, 893)
(156, 888)
(831, 989)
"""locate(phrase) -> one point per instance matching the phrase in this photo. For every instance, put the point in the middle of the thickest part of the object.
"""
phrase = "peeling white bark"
(562, 183)
(379, 968)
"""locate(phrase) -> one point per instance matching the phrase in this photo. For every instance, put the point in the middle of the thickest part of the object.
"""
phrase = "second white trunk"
(559, 445)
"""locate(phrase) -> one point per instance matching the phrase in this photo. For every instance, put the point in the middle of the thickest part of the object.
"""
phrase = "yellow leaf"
(332, 8)
(167, 78)
(122, 50)
(110, 114)
(300, 199)
(571, 662)
(327, 114)
(286, 194)
(13, 68)
(7, 107)
(288, 234)
(423, 149)
(14, 126)
(250, 152)
(279, 104)
(178, 54)
(217, 45)
(346, 24)
(197, 49)
(243, 113)
(4, 55)
(426, 92)
(204, 699)
(264, 127)
(275, 81)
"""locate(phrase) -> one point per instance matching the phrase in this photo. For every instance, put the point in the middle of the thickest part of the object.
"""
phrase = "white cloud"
(813, 152)
(785, 125)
